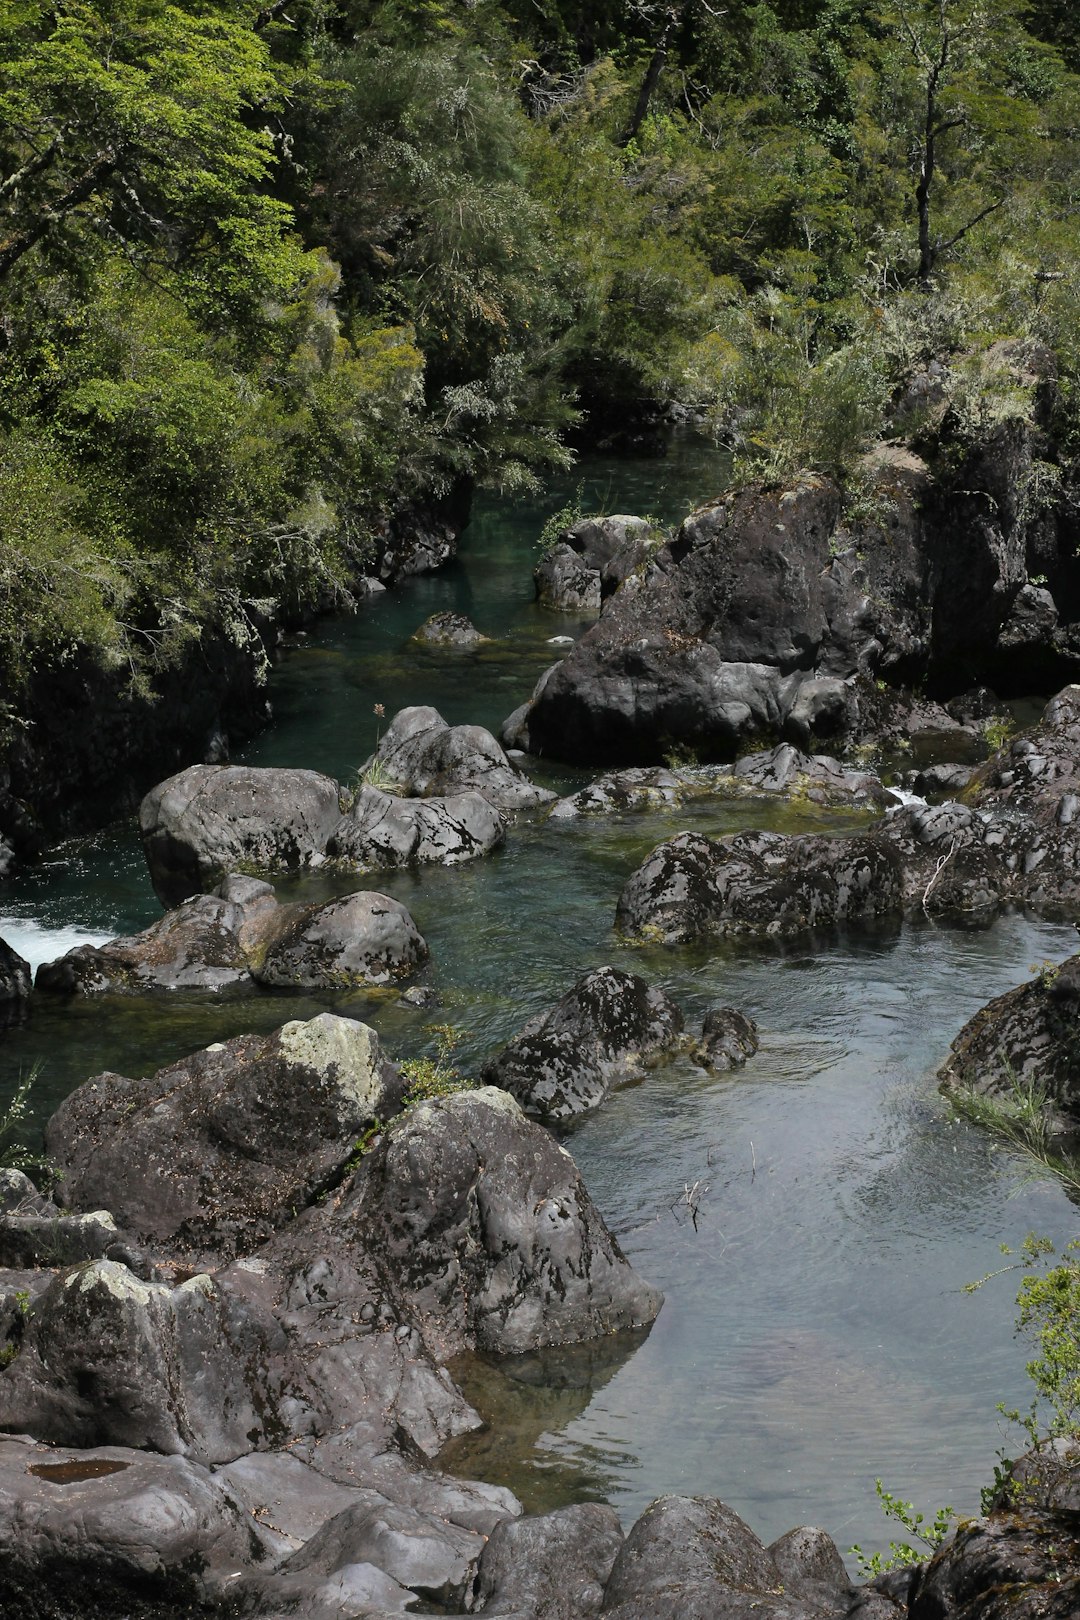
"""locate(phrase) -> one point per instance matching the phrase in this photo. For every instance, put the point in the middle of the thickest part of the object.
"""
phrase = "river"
(817, 1333)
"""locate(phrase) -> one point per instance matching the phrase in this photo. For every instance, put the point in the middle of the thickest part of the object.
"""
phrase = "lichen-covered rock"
(449, 630)
(210, 820)
(728, 1038)
(194, 947)
(1029, 1038)
(385, 830)
(757, 883)
(212, 1153)
(363, 938)
(487, 1233)
(603, 1032)
(426, 758)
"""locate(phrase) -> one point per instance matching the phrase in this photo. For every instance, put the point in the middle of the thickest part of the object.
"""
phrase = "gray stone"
(603, 1032)
(385, 830)
(551, 1567)
(728, 1038)
(210, 820)
(449, 630)
(426, 758)
(363, 938)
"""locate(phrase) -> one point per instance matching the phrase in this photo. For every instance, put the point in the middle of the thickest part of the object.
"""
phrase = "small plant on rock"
(929, 1536)
(430, 1077)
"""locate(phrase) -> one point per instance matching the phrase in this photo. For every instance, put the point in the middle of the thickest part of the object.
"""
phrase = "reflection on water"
(815, 1333)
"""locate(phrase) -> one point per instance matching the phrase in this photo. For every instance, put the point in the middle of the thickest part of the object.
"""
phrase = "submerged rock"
(449, 630)
(427, 758)
(602, 1033)
(728, 1038)
(213, 819)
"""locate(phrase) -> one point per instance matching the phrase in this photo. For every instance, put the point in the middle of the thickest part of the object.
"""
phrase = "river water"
(812, 1219)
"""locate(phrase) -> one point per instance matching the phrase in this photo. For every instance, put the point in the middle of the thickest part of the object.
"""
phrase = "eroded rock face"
(604, 1031)
(385, 830)
(211, 1154)
(214, 819)
(427, 758)
(487, 1231)
(590, 560)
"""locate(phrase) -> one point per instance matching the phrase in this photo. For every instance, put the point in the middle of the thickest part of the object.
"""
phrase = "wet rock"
(449, 630)
(212, 1153)
(551, 1567)
(214, 819)
(605, 1031)
(487, 1233)
(384, 830)
(239, 938)
(363, 938)
(817, 778)
(14, 980)
(1027, 1038)
(426, 758)
(135, 1534)
(948, 780)
(758, 883)
(728, 1038)
(194, 947)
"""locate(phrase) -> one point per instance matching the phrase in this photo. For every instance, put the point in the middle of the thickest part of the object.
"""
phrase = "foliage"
(903, 1552)
(14, 1152)
(435, 1076)
(1024, 1119)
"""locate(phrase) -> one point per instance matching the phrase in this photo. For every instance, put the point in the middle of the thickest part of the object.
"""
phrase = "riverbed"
(812, 1219)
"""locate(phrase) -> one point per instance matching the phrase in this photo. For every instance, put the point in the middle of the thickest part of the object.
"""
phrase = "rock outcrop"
(590, 560)
(424, 757)
(385, 830)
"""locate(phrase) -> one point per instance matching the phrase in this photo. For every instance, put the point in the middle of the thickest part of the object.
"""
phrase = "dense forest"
(269, 271)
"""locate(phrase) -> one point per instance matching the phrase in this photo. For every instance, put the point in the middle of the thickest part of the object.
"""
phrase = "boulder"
(603, 1032)
(449, 630)
(486, 1231)
(589, 560)
(553, 1566)
(759, 884)
(364, 938)
(384, 830)
(728, 1038)
(14, 980)
(210, 820)
(1021, 1564)
(693, 1558)
(239, 938)
(1025, 1040)
(427, 758)
(212, 1153)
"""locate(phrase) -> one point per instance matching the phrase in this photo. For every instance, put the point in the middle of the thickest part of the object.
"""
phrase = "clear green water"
(815, 1333)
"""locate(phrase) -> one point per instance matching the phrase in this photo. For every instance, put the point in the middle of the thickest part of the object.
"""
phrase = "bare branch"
(991, 208)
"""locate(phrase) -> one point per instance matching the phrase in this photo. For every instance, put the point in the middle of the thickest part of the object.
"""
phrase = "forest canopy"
(267, 271)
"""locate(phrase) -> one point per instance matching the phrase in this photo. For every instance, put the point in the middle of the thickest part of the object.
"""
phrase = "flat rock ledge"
(430, 792)
(781, 772)
(240, 938)
(1013, 837)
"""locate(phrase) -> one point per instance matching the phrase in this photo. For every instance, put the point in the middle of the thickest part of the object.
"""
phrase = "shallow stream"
(812, 1219)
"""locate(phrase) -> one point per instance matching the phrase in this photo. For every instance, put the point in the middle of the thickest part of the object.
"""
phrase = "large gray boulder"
(212, 1153)
(487, 1233)
(196, 946)
(603, 1032)
(210, 820)
(364, 938)
(426, 758)
(385, 830)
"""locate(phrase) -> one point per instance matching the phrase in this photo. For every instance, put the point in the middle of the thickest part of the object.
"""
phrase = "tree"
(142, 123)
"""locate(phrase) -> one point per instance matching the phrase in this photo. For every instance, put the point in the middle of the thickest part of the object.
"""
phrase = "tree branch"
(34, 165)
(991, 208)
(12, 251)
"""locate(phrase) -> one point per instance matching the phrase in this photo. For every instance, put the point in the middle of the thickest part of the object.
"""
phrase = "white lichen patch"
(342, 1045)
(493, 1097)
(117, 1280)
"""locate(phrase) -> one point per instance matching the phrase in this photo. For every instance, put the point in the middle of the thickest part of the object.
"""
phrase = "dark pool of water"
(816, 1332)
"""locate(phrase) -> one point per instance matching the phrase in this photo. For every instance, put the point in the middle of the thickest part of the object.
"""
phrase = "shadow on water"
(815, 1333)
